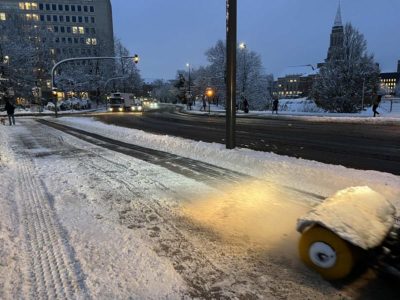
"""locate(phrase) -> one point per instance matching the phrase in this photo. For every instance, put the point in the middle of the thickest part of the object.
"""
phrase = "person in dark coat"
(10, 108)
(245, 105)
(376, 101)
(275, 105)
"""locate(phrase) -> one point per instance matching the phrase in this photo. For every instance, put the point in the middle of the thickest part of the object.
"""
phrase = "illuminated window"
(88, 41)
(2, 16)
(81, 30)
(94, 41)
(75, 30)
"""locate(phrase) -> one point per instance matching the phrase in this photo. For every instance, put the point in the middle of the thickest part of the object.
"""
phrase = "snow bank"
(357, 214)
(310, 176)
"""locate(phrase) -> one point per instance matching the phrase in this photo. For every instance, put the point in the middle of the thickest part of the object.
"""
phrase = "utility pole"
(231, 41)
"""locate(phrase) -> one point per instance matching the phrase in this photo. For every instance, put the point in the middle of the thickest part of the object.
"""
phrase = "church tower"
(337, 35)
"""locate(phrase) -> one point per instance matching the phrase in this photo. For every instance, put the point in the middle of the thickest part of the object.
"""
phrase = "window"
(28, 5)
(2, 16)
(76, 40)
(94, 41)
(87, 30)
(80, 19)
(63, 40)
(60, 7)
(93, 30)
(62, 29)
(79, 8)
(67, 19)
(82, 40)
(42, 18)
(72, 7)
(85, 8)
(55, 28)
(66, 7)
(47, 6)
(81, 30)
(74, 19)
(70, 40)
(32, 17)
(54, 7)
(75, 30)
(57, 39)
(68, 29)
(88, 41)
(55, 19)
(86, 19)
(92, 19)
(48, 18)
(91, 9)
(41, 7)
(61, 18)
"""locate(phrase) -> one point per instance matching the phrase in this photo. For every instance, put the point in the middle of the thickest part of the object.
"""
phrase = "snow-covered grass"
(304, 109)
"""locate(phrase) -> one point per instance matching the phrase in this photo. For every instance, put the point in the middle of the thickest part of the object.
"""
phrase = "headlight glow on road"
(256, 212)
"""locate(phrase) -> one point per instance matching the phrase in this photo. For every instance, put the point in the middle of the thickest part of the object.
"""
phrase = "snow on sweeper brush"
(354, 225)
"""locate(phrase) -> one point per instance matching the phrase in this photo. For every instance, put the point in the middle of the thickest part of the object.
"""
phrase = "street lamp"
(53, 70)
(189, 95)
(210, 94)
(231, 45)
(242, 47)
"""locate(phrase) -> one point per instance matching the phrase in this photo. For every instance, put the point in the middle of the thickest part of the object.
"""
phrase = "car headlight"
(140, 108)
(133, 108)
(110, 109)
(120, 109)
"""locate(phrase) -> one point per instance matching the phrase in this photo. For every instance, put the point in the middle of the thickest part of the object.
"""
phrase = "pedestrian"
(204, 106)
(376, 101)
(245, 106)
(275, 105)
(10, 108)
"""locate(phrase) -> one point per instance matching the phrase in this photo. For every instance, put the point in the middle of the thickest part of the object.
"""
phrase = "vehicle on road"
(355, 226)
(123, 102)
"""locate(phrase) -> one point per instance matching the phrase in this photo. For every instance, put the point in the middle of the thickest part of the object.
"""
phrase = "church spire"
(338, 19)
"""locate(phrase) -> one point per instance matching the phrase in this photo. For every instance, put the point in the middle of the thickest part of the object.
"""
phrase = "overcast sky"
(167, 34)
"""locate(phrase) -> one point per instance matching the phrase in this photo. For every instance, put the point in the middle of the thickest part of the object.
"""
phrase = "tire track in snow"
(53, 271)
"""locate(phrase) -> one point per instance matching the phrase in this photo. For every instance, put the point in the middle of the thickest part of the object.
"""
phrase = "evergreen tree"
(340, 82)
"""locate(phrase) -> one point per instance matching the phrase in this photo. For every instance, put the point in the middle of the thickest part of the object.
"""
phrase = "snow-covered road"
(80, 221)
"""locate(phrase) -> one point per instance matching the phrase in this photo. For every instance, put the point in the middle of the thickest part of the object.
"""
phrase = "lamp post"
(231, 45)
(135, 58)
(189, 94)
(363, 95)
(242, 47)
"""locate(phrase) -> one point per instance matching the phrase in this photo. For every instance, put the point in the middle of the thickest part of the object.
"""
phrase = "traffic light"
(136, 58)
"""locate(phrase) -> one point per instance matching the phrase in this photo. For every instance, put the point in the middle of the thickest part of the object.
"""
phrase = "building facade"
(295, 82)
(64, 28)
(390, 81)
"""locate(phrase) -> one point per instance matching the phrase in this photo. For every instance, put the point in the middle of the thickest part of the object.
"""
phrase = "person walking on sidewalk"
(376, 101)
(275, 105)
(10, 108)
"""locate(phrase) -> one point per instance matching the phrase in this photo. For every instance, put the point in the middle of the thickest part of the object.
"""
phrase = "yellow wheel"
(326, 253)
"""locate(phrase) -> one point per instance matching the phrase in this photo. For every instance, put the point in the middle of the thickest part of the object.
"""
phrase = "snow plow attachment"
(335, 233)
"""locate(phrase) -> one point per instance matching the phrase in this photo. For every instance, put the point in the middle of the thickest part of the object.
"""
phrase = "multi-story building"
(64, 28)
(390, 80)
(295, 82)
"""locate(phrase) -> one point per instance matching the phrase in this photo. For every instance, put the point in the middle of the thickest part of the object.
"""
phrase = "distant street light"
(243, 47)
(189, 94)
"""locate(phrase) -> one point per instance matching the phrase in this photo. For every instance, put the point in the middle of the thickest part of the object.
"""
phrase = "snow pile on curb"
(306, 175)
